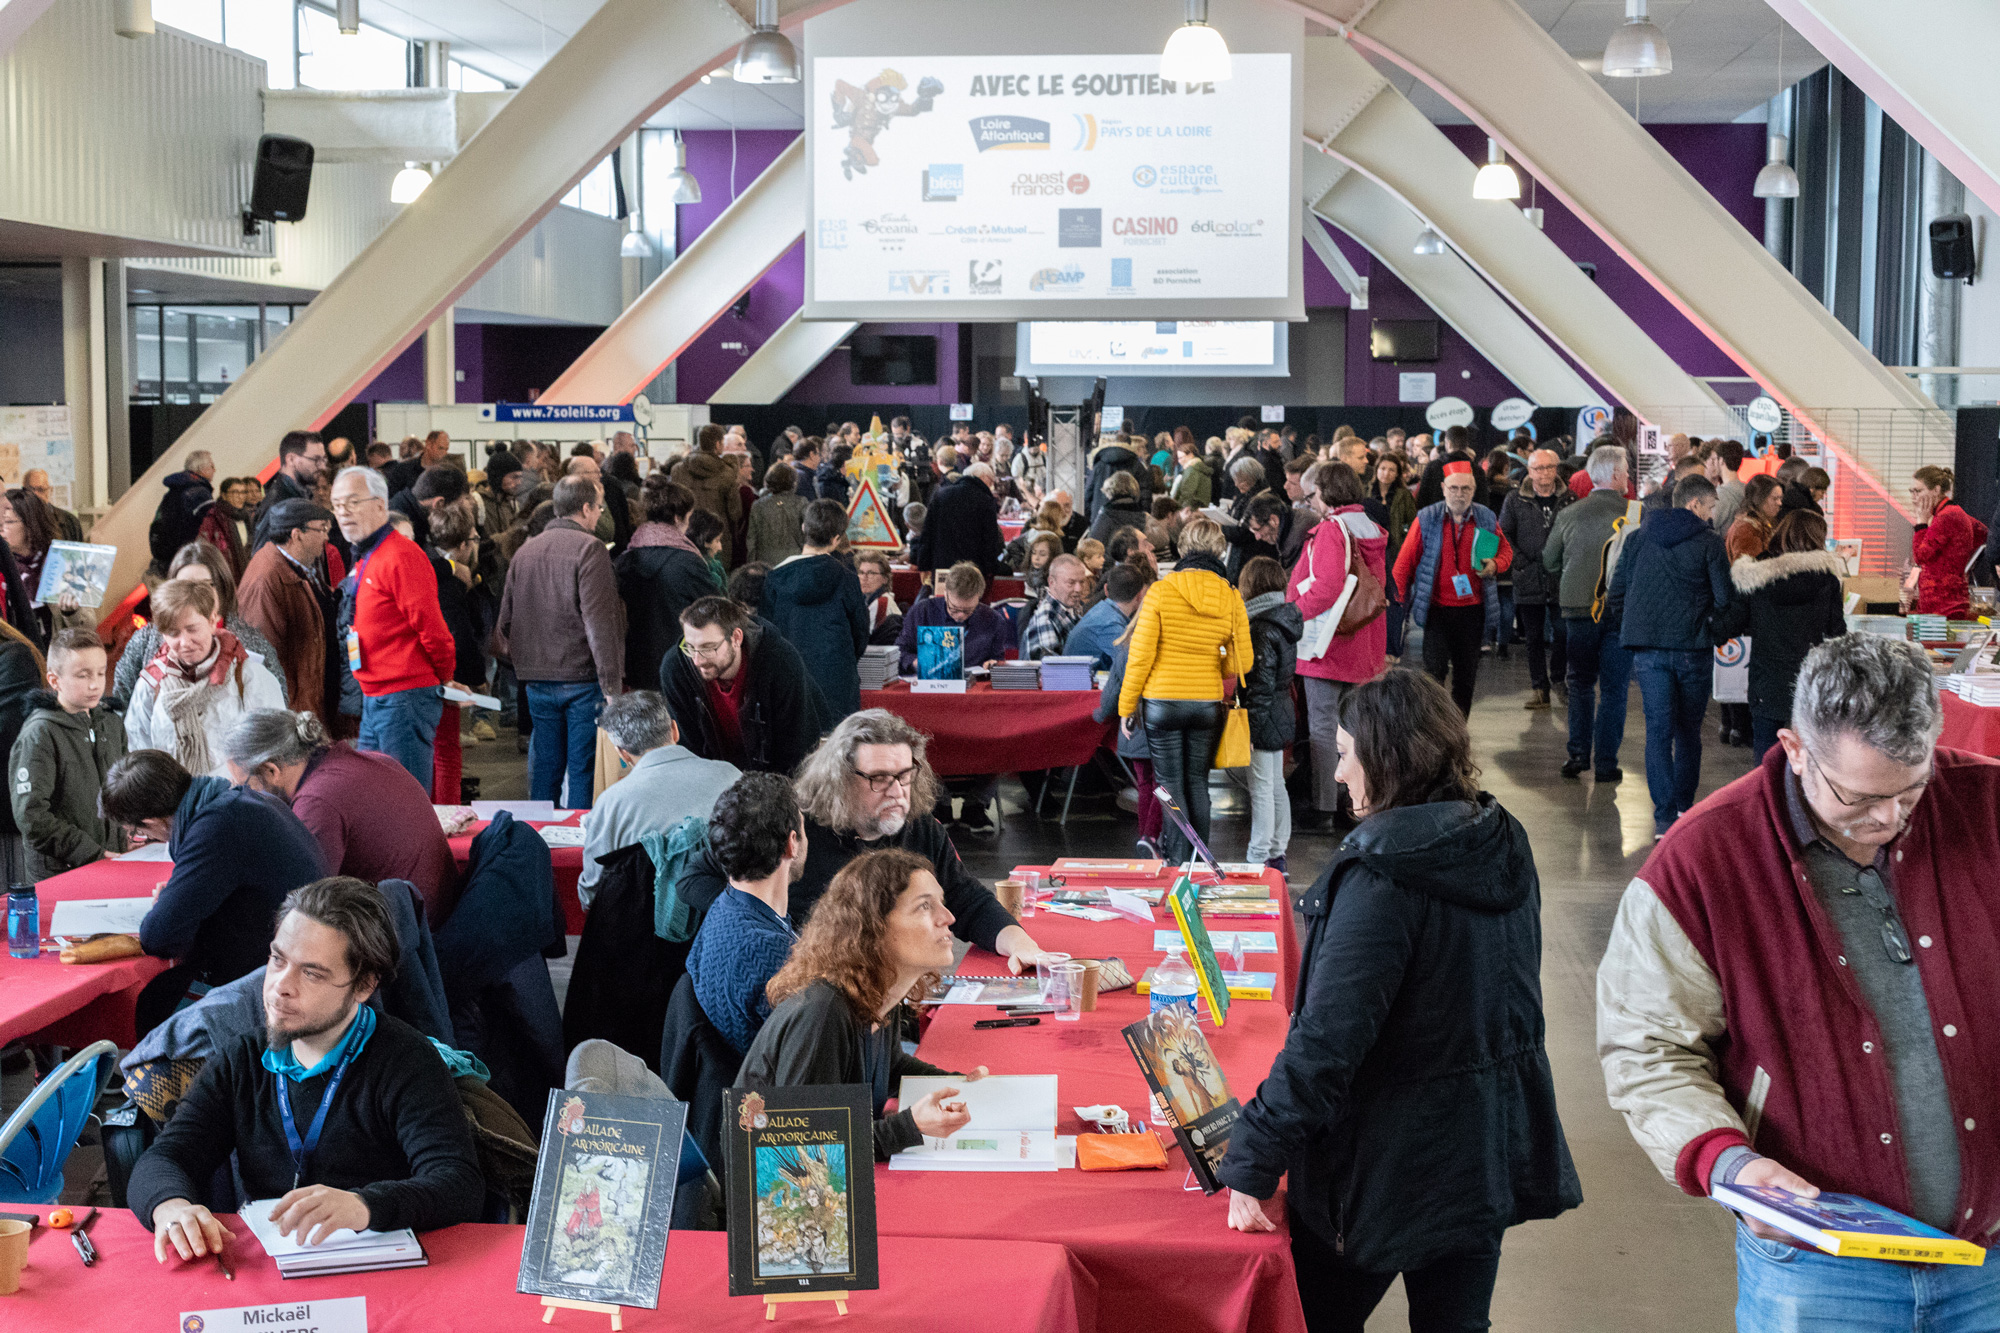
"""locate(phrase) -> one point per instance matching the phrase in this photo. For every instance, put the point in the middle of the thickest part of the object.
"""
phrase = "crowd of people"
(314, 650)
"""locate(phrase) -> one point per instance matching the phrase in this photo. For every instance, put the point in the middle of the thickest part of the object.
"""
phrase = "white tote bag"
(1321, 629)
(1732, 671)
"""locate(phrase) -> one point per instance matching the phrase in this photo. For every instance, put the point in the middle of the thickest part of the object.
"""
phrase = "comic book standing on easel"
(604, 1196)
(800, 1169)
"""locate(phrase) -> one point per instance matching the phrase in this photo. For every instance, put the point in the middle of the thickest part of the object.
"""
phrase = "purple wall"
(402, 381)
(705, 366)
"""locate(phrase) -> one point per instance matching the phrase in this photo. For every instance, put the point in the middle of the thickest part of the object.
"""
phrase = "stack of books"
(1017, 675)
(878, 665)
(343, 1251)
(1067, 673)
(1929, 629)
(1983, 690)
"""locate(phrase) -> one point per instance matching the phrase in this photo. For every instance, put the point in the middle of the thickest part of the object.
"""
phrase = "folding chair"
(35, 1141)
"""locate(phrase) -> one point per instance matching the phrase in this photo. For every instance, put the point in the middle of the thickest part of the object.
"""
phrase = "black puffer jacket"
(1110, 458)
(657, 583)
(1412, 1102)
(1786, 604)
(1275, 629)
(1523, 525)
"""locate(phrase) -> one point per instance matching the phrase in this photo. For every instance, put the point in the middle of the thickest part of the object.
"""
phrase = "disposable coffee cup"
(1009, 892)
(1086, 994)
(13, 1254)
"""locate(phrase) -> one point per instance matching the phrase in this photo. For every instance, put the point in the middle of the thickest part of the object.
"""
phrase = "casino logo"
(1010, 133)
(1144, 176)
(1079, 228)
(1078, 183)
(1153, 226)
(983, 277)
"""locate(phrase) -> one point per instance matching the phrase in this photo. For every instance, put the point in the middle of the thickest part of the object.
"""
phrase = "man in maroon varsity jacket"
(1802, 989)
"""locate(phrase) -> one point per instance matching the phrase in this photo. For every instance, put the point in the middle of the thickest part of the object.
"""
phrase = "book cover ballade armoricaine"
(800, 1168)
(1188, 1085)
(603, 1200)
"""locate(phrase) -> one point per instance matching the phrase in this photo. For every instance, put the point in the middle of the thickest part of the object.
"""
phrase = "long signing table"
(1970, 726)
(75, 1004)
(985, 730)
(995, 1287)
(1161, 1257)
(907, 584)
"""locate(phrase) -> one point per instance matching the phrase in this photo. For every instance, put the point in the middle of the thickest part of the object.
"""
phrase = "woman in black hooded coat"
(1412, 1104)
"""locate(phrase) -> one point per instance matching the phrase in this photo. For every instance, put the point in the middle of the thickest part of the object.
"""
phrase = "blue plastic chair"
(35, 1141)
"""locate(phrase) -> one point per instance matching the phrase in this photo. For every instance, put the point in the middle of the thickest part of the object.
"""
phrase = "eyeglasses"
(1909, 796)
(340, 506)
(882, 782)
(706, 651)
(1895, 943)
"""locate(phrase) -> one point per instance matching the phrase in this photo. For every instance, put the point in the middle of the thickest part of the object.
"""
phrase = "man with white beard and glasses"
(868, 787)
(346, 1116)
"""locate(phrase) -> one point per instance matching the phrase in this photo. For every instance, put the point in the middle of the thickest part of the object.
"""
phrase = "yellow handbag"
(1233, 750)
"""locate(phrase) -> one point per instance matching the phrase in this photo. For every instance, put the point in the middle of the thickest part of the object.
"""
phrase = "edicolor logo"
(1229, 229)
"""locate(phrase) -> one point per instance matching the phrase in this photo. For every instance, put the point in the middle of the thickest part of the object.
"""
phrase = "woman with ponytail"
(1946, 540)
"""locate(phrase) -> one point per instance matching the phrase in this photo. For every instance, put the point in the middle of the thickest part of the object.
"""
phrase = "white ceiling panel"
(1725, 55)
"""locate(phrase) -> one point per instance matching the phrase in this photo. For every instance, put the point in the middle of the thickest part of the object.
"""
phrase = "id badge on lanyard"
(354, 635)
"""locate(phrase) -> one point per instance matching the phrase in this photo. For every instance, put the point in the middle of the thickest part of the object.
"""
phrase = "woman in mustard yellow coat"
(1190, 632)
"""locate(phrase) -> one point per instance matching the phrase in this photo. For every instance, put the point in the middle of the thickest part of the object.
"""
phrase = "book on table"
(1188, 1086)
(343, 1251)
(955, 989)
(940, 652)
(1090, 867)
(80, 918)
(1242, 985)
(603, 1198)
(1013, 1125)
(1849, 1227)
(1185, 901)
(798, 1166)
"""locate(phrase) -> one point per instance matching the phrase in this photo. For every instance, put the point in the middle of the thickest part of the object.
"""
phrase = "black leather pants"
(1183, 734)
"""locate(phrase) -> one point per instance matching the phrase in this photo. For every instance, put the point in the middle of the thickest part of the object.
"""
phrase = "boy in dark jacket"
(816, 603)
(60, 759)
(1276, 626)
(1672, 580)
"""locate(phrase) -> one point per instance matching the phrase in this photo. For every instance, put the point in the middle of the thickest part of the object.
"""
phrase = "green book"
(1485, 545)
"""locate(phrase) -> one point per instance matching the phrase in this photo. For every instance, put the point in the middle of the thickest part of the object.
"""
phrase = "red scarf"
(228, 652)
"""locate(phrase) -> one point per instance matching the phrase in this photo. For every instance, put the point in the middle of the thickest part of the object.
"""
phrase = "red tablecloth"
(1162, 1258)
(87, 1001)
(1005, 1287)
(1010, 528)
(907, 584)
(1970, 726)
(986, 730)
(78, 1003)
(568, 863)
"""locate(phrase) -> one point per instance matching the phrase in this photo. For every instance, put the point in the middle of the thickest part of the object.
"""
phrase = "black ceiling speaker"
(1951, 246)
(284, 178)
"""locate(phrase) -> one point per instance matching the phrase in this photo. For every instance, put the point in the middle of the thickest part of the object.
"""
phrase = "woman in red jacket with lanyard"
(1945, 540)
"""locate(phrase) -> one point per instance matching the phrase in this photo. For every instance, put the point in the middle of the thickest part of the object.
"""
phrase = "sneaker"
(1608, 774)
(1501, 651)
(1561, 693)
(1276, 863)
(1537, 699)
(980, 819)
(1148, 850)
(482, 730)
(1574, 768)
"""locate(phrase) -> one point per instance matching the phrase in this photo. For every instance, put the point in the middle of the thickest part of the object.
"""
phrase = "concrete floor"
(1638, 1256)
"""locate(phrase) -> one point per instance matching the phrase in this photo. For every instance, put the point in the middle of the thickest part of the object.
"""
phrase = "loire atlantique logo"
(1016, 133)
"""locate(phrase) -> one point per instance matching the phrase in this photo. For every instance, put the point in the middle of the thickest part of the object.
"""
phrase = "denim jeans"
(1674, 687)
(403, 725)
(1783, 1289)
(1270, 808)
(565, 737)
(1763, 735)
(1596, 727)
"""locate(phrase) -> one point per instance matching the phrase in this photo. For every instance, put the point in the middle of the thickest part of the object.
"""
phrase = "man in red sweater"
(397, 644)
(1452, 594)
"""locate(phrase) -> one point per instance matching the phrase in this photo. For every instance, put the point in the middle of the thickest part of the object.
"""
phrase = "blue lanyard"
(303, 1150)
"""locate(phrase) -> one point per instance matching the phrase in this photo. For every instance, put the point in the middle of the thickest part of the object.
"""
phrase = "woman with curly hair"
(876, 938)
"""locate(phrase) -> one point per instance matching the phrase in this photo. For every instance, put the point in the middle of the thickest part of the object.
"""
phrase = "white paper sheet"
(541, 810)
(466, 697)
(1130, 904)
(1012, 1129)
(257, 1216)
(1254, 941)
(152, 851)
(77, 917)
(562, 835)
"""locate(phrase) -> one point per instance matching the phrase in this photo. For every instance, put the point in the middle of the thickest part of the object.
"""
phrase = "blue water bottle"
(24, 922)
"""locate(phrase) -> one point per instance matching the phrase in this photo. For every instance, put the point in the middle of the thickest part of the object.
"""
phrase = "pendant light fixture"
(1429, 243)
(1638, 50)
(686, 189)
(635, 245)
(767, 55)
(1777, 180)
(347, 17)
(410, 182)
(1196, 52)
(132, 18)
(1496, 180)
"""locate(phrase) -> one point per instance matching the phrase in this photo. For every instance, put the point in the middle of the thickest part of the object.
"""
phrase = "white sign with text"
(345, 1314)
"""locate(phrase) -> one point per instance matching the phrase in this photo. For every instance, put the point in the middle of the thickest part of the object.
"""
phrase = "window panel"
(263, 28)
(370, 59)
(469, 80)
(594, 193)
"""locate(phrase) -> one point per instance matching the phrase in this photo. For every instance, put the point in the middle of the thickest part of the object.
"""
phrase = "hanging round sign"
(1512, 413)
(1764, 414)
(1447, 412)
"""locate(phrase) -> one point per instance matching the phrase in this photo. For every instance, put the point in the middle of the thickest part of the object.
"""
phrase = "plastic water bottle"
(24, 922)
(1173, 981)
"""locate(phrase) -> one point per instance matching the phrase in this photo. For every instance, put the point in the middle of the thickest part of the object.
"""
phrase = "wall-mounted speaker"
(283, 179)
(1952, 250)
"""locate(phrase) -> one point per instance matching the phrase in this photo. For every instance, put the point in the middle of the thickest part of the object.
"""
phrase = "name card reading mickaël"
(346, 1314)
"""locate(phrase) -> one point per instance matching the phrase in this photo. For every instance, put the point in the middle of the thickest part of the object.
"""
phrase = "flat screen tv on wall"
(889, 358)
(1403, 339)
